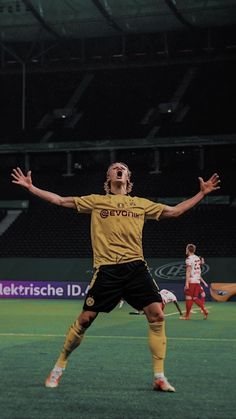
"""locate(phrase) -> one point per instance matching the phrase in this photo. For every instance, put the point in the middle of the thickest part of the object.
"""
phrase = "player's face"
(118, 173)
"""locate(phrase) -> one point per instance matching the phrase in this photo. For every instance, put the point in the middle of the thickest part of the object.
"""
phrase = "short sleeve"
(84, 203)
(187, 262)
(153, 210)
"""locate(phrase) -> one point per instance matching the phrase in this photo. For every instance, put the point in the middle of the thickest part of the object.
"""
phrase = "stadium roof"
(33, 20)
(183, 53)
(72, 28)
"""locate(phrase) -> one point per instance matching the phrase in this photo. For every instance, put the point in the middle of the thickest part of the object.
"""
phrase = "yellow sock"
(157, 345)
(73, 340)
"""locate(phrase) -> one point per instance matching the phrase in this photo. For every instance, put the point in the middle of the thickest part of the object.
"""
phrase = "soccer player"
(193, 288)
(120, 271)
(167, 297)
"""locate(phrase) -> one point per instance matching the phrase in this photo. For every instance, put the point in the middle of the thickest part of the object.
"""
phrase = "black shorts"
(130, 281)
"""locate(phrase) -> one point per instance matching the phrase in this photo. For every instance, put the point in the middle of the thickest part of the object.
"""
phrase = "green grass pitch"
(110, 375)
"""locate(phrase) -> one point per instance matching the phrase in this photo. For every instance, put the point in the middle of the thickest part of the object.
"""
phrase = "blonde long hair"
(107, 184)
(191, 248)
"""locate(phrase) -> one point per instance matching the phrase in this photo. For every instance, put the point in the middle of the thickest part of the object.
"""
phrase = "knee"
(156, 317)
(154, 313)
(160, 317)
(86, 318)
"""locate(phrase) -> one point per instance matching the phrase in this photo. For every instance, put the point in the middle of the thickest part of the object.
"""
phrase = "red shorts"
(193, 291)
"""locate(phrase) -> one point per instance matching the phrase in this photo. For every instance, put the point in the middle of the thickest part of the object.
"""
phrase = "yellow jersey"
(117, 225)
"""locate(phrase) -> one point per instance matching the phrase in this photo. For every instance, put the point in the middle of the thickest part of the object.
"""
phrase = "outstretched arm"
(207, 187)
(26, 181)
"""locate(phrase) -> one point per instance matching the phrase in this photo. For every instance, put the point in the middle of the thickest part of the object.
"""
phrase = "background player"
(193, 288)
(167, 297)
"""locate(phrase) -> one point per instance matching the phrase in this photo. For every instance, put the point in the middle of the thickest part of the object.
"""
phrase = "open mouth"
(119, 174)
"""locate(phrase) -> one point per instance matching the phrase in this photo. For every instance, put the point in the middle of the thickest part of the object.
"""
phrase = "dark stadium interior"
(152, 84)
(121, 104)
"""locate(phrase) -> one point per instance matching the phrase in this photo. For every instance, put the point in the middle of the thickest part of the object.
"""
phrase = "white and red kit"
(167, 296)
(195, 275)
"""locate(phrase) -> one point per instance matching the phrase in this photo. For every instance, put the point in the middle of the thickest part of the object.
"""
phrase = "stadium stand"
(48, 231)
(2, 214)
(119, 104)
(44, 230)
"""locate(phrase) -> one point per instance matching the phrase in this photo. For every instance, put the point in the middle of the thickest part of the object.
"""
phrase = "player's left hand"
(210, 185)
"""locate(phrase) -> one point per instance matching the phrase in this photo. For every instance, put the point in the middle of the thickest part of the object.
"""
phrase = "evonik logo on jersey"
(175, 270)
(118, 213)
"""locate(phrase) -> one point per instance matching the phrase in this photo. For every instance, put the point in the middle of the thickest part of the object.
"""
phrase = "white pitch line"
(184, 311)
(31, 335)
(171, 314)
(27, 335)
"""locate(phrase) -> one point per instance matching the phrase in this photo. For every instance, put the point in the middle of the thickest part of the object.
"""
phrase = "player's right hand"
(20, 179)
